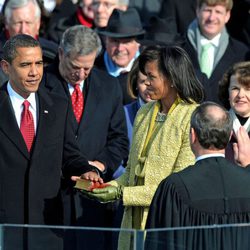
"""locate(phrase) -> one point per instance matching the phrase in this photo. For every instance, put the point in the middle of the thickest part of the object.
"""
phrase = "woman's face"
(239, 97)
(142, 88)
(158, 87)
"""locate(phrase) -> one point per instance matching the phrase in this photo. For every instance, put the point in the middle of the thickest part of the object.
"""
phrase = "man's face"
(87, 8)
(23, 21)
(75, 68)
(212, 19)
(26, 70)
(121, 50)
(102, 11)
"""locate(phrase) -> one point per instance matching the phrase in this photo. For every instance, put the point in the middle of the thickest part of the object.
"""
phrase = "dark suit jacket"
(102, 132)
(30, 182)
(235, 52)
(213, 191)
(102, 136)
(182, 13)
(239, 22)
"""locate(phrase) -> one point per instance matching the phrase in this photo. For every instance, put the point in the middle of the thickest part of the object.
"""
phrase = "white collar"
(236, 122)
(71, 87)
(215, 41)
(17, 100)
(201, 157)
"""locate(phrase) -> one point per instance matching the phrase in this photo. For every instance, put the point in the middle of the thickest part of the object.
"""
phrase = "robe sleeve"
(166, 206)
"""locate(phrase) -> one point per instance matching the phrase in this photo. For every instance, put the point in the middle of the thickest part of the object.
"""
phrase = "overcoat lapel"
(92, 102)
(8, 124)
(47, 116)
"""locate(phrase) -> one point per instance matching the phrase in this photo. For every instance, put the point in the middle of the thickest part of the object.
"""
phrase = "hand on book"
(90, 176)
(106, 194)
(89, 185)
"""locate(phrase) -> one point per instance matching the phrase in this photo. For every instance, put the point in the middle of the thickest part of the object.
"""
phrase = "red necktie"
(77, 102)
(27, 125)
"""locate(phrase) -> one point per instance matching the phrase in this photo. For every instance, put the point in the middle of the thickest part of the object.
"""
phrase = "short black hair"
(18, 41)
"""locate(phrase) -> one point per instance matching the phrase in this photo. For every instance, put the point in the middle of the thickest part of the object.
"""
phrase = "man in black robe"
(213, 191)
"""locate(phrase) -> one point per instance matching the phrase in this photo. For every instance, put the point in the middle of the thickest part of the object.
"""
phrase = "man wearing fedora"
(121, 46)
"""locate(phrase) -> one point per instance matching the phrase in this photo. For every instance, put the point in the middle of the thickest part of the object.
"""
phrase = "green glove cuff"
(107, 194)
(119, 192)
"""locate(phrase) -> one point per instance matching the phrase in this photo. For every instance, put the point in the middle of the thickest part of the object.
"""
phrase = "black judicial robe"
(212, 192)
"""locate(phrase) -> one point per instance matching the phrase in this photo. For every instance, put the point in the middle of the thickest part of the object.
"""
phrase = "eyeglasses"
(106, 5)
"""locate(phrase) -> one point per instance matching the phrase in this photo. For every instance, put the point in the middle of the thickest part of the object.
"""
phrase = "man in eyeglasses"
(104, 8)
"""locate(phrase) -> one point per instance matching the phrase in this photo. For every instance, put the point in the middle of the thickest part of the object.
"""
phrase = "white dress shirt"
(71, 88)
(201, 157)
(212, 50)
(17, 104)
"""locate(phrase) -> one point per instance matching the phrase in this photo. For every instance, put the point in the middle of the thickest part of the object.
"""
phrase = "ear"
(197, 11)
(38, 24)
(231, 134)
(5, 66)
(228, 15)
(60, 53)
(193, 136)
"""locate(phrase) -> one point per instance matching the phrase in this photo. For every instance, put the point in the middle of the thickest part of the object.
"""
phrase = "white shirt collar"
(18, 100)
(71, 88)
(201, 157)
(17, 104)
(215, 41)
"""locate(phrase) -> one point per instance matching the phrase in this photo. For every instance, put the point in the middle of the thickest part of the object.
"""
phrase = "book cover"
(89, 185)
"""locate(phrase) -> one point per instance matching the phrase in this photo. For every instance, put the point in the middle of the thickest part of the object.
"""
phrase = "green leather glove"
(107, 194)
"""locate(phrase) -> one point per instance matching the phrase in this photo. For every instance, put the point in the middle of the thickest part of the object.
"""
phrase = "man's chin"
(121, 64)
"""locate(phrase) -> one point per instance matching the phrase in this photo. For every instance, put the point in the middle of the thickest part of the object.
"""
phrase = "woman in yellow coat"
(160, 143)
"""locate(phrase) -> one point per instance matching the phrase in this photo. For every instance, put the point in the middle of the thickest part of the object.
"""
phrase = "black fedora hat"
(159, 31)
(123, 24)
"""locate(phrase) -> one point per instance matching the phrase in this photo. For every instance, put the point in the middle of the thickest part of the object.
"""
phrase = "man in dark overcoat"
(38, 148)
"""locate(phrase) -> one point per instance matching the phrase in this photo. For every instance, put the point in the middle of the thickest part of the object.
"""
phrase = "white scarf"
(237, 124)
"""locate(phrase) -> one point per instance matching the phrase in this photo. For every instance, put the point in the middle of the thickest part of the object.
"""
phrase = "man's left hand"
(91, 175)
(98, 165)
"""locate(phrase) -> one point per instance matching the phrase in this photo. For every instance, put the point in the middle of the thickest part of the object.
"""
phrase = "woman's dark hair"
(132, 79)
(175, 65)
(242, 72)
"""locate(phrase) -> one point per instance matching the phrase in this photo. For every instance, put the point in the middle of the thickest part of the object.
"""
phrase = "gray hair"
(15, 42)
(123, 2)
(80, 40)
(14, 4)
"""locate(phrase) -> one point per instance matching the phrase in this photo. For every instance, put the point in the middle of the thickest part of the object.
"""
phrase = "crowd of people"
(152, 99)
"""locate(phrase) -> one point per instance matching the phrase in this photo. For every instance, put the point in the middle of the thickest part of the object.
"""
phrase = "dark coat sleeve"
(74, 161)
(166, 210)
(116, 146)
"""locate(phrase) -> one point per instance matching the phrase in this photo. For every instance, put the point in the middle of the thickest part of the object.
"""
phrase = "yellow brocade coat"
(168, 152)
